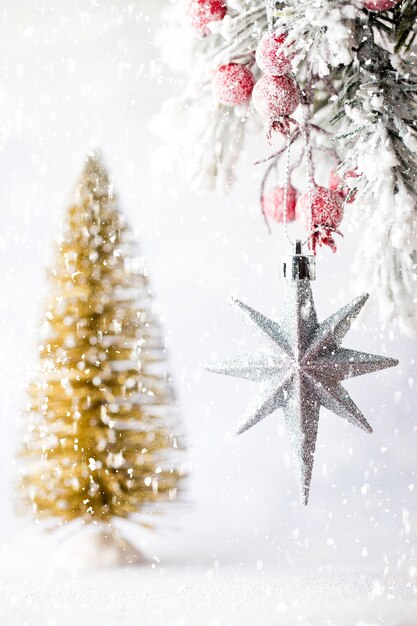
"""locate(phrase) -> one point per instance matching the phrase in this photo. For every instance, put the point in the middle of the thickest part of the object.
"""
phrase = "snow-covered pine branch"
(352, 62)
(322, 31)
(378, 118)
(202, 138)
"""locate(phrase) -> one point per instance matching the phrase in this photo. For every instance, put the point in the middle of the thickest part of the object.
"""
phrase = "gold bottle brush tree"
(100, 440)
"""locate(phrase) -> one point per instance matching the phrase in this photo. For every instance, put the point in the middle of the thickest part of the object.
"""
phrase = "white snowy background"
(240, 550)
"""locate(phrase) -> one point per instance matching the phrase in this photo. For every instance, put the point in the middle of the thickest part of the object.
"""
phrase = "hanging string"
(286, 184)
(310, 183)
(270, 10)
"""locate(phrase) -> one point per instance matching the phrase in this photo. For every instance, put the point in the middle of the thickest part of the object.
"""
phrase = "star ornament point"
(299, 368)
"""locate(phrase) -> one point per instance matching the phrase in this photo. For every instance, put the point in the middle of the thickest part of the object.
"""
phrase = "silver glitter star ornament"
(301, 364)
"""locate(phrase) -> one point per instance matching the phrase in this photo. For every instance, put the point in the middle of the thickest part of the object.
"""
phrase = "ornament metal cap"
(298, 266)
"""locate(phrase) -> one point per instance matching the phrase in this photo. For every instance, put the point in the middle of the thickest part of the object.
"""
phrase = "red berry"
(324, 215)
(334, 180)
(273, 203)
(336, 184)
(380, 5)
(232, 84)
(201, 12)
(275, 96)
(326, 208)
(269, 56)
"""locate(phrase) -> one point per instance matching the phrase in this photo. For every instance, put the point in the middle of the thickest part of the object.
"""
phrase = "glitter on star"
(299, 368)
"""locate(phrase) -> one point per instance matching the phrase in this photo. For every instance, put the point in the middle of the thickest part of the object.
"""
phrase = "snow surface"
(167, 593)
(80, 74)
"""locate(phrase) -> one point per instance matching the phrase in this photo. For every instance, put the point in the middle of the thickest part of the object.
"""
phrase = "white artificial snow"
(43, 584)
(323, 31)
(212, 594)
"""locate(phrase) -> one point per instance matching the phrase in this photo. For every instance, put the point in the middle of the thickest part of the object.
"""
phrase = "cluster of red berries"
(324, 214)
(275, 95)
(233, 82)
(201, 12)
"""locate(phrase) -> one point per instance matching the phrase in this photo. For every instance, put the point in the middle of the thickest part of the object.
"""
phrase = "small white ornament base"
(97, 547)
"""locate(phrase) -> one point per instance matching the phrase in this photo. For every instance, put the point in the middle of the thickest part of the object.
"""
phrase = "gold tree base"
(97, 547)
